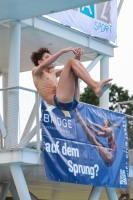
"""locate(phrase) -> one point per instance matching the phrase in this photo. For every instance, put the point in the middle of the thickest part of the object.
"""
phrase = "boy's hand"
(78, 51)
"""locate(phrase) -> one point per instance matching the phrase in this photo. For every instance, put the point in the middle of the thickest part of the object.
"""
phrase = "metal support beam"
(14, 56)
(4, 190)
(4, 80)
(104, 73)
(5, 104)
(94, 62)
(14, 192)
(95, 193)
(13, 80)
(124, 197)
(27, 139)
(34, 114)
(19, 181)
(33, 196)
(29, 122)
(3, 132)
(119, 7)
(111, 193)
(1, 140)
(2, 128)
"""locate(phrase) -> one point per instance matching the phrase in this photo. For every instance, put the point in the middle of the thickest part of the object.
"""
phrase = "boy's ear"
(39, 62)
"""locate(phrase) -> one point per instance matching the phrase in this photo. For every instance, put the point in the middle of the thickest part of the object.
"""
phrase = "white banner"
(99, 20)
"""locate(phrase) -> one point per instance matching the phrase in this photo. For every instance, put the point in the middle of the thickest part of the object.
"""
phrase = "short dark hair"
(37, 55)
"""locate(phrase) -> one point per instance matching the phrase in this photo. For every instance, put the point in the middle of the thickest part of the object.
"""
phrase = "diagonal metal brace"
(2, 128)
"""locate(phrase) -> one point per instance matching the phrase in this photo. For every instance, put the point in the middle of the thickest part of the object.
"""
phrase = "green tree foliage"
(116, 94)
(89, 97)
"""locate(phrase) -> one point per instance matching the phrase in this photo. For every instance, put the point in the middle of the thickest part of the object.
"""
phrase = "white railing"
(124, 103)
(19, 118)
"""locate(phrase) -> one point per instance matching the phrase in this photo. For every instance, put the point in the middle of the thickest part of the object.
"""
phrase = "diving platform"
(19, 10)
(42, 31)
(23, 29)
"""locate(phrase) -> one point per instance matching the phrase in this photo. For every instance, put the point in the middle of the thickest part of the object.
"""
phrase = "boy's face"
(46, 56)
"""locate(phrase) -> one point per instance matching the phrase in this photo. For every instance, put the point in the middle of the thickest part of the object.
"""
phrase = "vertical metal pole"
(4, 190)
(13, 80)
(2, 128)
(104, 73)
(119, 108)
(1, 140)
(20, 182)
(95, 193)
(5, 104)
(111, 193)
(104, 103)
(4, 80)
(14, 54)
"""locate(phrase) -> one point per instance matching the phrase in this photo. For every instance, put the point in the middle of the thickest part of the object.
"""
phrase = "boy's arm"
(51, 60)
(57, 72)
(77, 52)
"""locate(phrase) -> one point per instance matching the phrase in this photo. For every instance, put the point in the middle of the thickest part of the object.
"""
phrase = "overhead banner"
(99, 20)
(86, 146)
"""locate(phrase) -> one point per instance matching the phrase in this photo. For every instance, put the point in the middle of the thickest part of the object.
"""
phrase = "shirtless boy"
(63, 94)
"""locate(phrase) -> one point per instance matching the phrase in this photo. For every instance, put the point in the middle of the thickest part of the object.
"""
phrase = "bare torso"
(46, 84)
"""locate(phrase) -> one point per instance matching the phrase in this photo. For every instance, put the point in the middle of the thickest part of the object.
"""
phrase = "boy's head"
(38, 55)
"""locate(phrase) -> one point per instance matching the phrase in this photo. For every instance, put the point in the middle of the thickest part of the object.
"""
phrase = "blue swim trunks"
(65, 106)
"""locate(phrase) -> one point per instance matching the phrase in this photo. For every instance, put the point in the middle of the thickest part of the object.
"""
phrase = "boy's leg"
(66, 85)
(82, 67)
(105, 87)
(77, 89)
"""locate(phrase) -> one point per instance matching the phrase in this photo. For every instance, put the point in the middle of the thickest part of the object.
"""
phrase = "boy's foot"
(102, 87)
